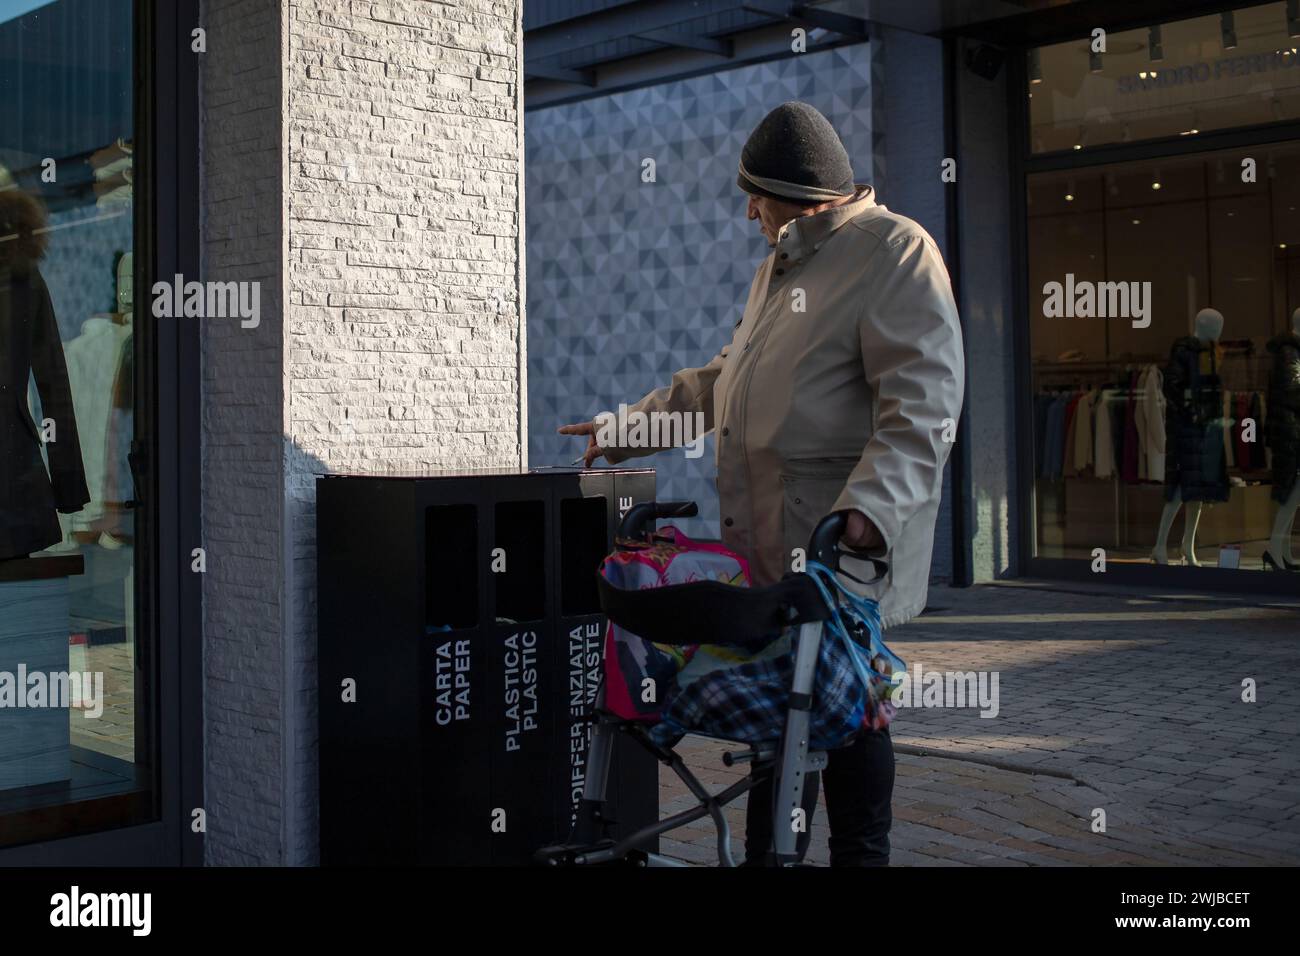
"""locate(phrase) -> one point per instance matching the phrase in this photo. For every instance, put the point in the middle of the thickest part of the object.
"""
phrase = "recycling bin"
(460, 647)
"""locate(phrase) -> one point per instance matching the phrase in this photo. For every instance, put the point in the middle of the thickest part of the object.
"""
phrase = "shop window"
(80, 756)
(1178, 79)
(1159, 435)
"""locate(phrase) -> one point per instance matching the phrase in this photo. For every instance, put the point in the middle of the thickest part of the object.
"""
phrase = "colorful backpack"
(733, 688)
(638, 672)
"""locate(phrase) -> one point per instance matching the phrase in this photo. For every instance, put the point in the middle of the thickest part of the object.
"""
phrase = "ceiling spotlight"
(1069, 197)
(1035, 67)
(1228, 30)
(1155, 185)
(1154, 46)
(1137, 222)
(1293, 18)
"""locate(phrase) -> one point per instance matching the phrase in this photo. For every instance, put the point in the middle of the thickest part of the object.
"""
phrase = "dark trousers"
(859, 792)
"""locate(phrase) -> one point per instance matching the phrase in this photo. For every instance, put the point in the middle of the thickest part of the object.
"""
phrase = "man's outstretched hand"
(861, 533)
(593, 451)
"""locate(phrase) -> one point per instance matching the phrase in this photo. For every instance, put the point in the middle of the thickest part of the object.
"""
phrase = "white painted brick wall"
(399, 196)
(243, 475)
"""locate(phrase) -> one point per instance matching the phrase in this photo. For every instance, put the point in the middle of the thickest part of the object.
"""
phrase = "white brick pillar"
(363, 162)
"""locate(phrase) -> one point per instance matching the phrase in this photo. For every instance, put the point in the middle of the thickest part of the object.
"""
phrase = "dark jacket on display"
(1283, 433)
(29, 344)
(1196, 467)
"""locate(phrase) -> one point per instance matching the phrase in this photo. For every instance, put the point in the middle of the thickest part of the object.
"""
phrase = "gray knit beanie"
(794, 154)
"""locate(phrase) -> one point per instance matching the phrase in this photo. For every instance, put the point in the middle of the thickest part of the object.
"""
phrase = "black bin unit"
(460, 640)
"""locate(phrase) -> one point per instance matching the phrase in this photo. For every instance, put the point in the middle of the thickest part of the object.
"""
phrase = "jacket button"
(726, 432)
(785, 255)
(780, 272)
(798, 501)
(728, 522)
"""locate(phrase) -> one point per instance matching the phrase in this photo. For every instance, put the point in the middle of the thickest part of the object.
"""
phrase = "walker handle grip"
(641, 518)
(825, 548)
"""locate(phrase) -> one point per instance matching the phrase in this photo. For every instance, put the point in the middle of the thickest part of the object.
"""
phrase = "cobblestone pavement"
(1131, 704)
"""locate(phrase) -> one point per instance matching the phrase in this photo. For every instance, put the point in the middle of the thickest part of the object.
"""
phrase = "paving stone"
(1180, 787)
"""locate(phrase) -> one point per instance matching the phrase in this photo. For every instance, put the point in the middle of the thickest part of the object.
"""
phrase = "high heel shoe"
(1271, 563)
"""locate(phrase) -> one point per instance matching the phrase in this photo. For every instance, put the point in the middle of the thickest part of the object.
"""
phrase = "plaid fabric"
(749, 702)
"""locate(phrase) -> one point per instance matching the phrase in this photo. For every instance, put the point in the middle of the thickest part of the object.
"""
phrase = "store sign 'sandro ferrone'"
(1228, 68)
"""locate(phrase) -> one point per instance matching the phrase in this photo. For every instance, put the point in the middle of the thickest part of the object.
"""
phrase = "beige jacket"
(841, 404)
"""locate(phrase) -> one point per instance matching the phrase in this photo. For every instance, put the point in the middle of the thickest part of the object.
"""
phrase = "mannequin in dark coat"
(1284, 413)
(30, 346)
(1195, 467)
(1283, 436)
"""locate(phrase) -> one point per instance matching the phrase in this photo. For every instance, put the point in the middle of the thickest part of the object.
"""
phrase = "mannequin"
(41, 480)
(1209, 327)
(1284, 415)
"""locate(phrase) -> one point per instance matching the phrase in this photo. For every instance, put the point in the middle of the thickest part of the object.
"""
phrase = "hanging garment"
(119, 487)
(1055, 444)
(1194, 420)
(1284, 413)
(1042, 406)
(1072, 421)
(1152, 408)
(93, 360)
(1229, 453)
(1118, 417)
(1259, 455)
(1140, 424)
(1241, 447)
(1103, 443)
(1129, 467)
(1083, 421)
(30, 348)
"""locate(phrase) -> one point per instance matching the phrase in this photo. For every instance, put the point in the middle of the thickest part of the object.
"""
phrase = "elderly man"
(839, 392)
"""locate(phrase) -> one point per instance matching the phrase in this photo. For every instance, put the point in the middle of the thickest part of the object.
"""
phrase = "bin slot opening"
(452, 566)
(584, 535)
(518, 560)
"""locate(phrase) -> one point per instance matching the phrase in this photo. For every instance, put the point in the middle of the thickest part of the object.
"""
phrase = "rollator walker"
(697, 613)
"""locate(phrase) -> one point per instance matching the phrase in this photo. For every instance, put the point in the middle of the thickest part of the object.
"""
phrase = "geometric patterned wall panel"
(630, 281)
